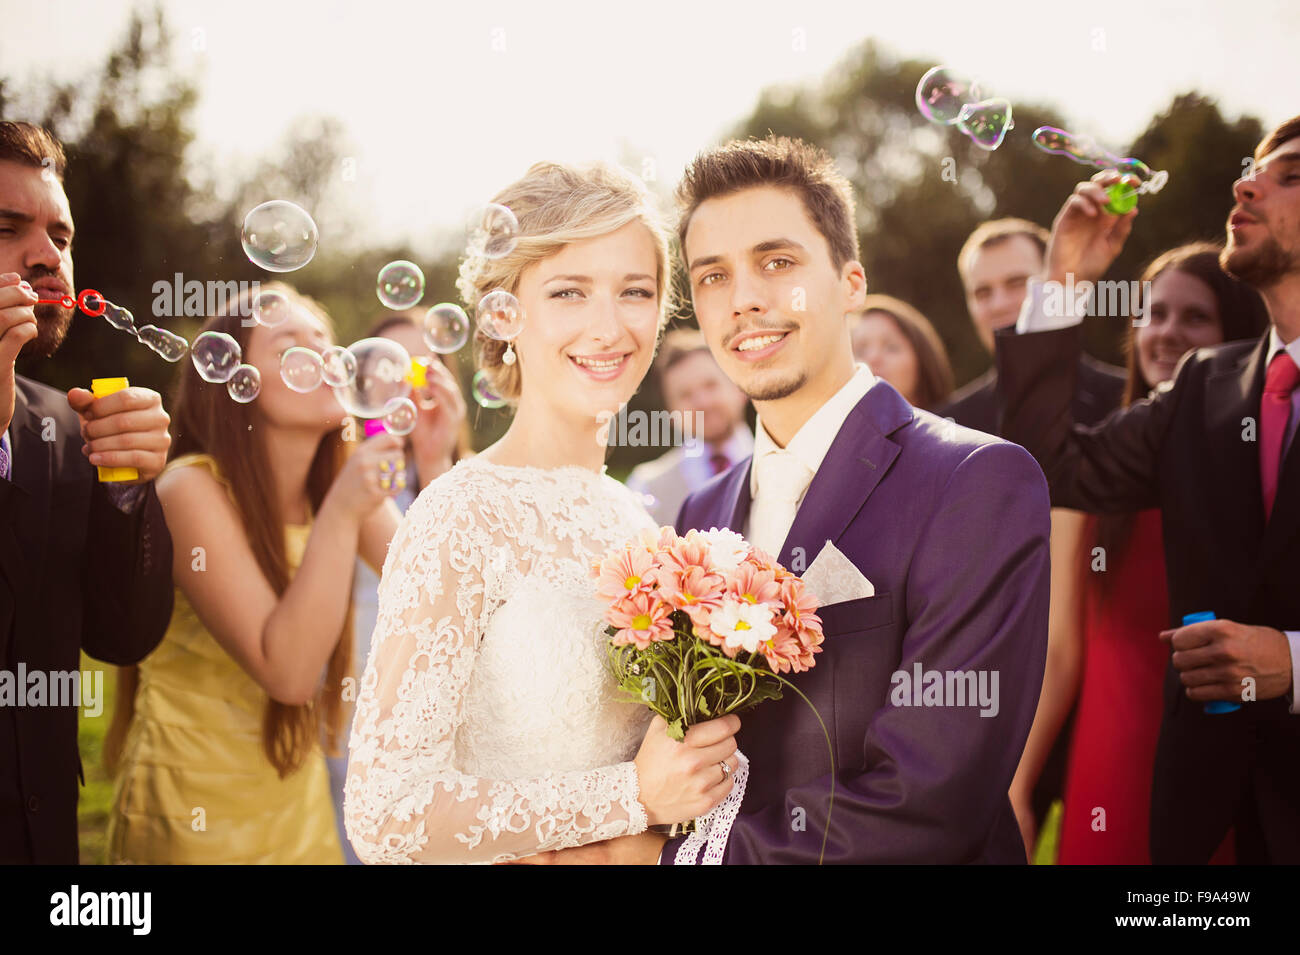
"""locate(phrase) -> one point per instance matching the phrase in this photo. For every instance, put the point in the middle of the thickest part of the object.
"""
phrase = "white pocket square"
(832, 578)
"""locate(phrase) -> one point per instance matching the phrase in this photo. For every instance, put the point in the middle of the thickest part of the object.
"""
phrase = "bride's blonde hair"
(557, 204)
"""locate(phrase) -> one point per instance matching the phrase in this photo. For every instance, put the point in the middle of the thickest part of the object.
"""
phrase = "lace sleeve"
(406, 800)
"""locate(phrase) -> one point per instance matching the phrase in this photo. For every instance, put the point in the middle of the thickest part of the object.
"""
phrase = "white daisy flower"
(726, 548)
(743, 625)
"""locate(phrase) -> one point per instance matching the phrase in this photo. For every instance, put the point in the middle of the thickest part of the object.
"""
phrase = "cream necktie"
(782, 479)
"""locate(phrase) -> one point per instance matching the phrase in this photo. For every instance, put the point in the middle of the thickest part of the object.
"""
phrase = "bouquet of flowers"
(703, 625)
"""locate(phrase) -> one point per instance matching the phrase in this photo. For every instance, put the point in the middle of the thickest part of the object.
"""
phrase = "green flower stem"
(693, 681)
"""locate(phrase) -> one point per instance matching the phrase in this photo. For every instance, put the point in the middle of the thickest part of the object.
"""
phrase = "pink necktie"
(1274, 411)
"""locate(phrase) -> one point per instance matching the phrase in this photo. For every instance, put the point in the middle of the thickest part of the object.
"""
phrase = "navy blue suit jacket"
(951, 527)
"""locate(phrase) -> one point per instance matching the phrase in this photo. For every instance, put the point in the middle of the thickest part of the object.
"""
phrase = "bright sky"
(445, 103)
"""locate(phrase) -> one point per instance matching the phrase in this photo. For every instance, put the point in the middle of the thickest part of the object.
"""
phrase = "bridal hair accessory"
(700, 626)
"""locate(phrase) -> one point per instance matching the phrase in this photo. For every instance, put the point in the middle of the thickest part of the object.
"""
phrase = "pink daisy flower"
(691, 588)
(754, 585)
(624, 573)
(641, 618)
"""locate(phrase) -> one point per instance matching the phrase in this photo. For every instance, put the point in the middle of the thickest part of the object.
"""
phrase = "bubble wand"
(168, 345)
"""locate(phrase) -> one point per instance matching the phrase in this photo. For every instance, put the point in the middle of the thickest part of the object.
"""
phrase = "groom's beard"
(1260, 266)
(52, 323)
(774, 391)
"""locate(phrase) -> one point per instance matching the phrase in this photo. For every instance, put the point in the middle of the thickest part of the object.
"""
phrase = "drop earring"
(509, 357)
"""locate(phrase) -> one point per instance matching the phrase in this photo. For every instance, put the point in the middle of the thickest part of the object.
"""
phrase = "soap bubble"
(1052, 140)
(400, 416)
(1136, 177)
(400, 284)
(216, 356)
(301, 369)
(245, 384)
(338, 366)
(446, 328)
(1082, 149)
(279, 236)
(270, 308)
(493, 231)
(986, 122)
(170, 346)
(120, 318)
(382, 370)
(500, 315)
(1133, 167)
(941, 94)
(483, 393)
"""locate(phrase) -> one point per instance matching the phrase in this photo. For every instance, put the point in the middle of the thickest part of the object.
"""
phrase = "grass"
(97, 794)
(1049, 837)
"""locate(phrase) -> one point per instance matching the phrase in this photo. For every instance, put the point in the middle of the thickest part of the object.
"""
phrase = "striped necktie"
(4, 455)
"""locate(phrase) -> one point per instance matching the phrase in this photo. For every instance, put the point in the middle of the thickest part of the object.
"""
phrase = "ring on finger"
(726, 770)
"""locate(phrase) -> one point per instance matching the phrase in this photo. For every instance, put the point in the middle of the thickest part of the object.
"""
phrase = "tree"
(921, 188)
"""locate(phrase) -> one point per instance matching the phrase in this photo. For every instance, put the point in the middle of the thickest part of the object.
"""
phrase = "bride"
(487, 727)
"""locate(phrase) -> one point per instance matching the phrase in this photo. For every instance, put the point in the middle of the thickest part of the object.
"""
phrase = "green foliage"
(97, 795)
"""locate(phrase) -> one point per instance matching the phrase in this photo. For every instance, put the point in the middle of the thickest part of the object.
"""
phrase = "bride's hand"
(680, 781)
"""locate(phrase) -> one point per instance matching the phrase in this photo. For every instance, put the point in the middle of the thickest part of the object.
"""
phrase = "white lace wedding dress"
(486, 726)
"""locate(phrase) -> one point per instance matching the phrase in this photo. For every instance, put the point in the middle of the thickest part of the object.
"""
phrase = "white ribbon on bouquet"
(713, 828)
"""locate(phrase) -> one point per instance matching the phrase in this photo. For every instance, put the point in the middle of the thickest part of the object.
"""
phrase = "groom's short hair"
(775, 161)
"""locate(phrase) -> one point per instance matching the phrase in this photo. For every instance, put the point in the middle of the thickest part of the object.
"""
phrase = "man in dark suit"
(1215, 449)
(996, 263)
(83, 564)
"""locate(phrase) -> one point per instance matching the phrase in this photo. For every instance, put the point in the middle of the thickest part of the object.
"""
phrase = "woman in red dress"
(1112, 587)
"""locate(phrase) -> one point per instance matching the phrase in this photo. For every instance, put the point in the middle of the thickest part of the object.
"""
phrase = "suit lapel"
(736, 495)
(858, 459)
(1232, 395)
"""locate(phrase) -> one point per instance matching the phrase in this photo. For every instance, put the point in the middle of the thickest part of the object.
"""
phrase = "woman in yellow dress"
(216, 736)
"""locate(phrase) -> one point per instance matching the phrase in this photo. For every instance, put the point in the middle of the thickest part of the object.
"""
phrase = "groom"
(947, 529)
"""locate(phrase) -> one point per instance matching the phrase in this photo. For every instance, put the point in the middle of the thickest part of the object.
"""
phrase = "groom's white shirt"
(811, 442)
